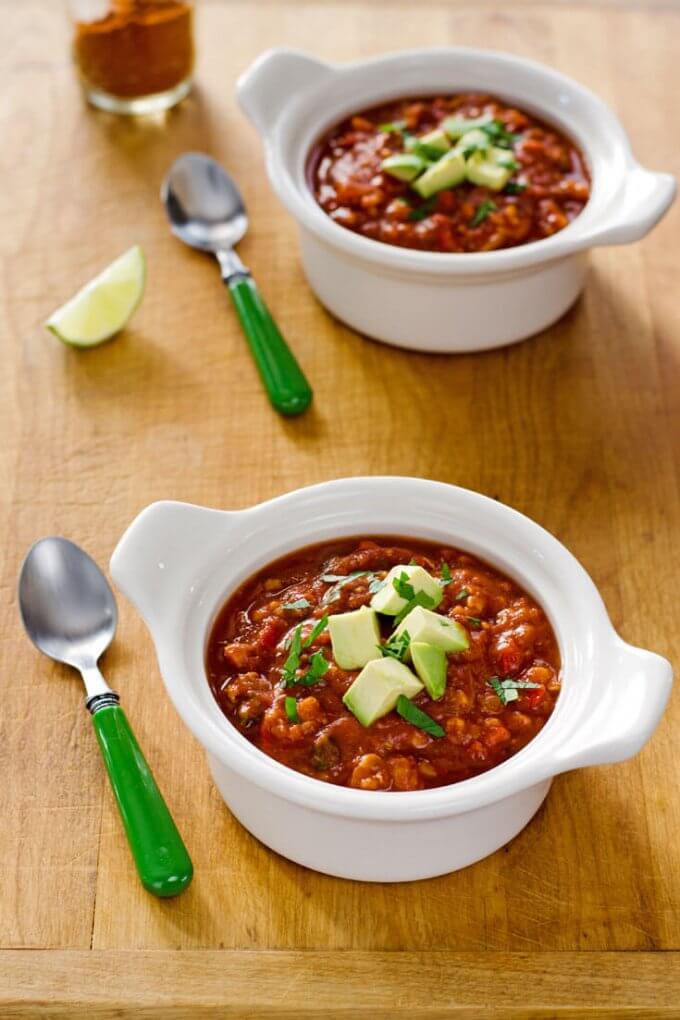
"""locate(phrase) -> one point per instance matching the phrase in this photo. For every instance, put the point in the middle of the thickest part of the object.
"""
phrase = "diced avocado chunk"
(474, 139)
(388, 600)
(430, 628)
(437, 140)
(429, 662)
(447, 172)
(376, 690)
(404, 166)
(456, 127)
(354, 637)
(481, 169)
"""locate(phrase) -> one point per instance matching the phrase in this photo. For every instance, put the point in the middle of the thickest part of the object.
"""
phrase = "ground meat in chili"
(510, 637)
(345, 175)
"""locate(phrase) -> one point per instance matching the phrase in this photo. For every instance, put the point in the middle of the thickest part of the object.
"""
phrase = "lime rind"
(104, 305)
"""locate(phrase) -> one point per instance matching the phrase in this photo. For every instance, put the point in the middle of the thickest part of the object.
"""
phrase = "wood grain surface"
(577, 427)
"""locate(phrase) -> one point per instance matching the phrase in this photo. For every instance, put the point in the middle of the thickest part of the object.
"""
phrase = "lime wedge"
(104, 305)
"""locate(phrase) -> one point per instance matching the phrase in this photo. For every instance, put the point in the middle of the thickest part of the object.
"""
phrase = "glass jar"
(133, 56)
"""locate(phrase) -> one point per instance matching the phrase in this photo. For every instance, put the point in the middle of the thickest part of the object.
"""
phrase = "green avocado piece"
(403, 165)
(447, 172)
(376, 690)
(474, 139)
(481, 168)
(390, 602)
(355, 637)
(437, 140)
(425, 626)
(456, 127)
(429, 662)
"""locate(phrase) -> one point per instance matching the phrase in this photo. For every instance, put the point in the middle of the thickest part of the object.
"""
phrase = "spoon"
(69, 613)
(207, 212)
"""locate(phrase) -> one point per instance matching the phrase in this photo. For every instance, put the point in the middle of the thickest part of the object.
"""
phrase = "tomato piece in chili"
(498, 696)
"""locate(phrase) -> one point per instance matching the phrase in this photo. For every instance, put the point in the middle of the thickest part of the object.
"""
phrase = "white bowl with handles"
(436, 301)
(178, 563)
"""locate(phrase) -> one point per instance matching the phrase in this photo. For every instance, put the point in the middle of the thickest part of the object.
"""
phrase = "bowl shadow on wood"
(549, 888)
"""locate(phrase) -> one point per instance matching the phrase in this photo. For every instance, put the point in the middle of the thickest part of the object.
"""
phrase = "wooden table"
(577, 427)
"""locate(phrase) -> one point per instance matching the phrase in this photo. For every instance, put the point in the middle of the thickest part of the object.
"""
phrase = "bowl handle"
(273, 80)
(632, 703)
(155, 561)
(646, 196)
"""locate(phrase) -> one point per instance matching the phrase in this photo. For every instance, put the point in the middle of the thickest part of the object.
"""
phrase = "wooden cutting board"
(577, 427)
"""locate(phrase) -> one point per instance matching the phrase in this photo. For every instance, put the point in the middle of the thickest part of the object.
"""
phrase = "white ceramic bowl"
(178, 563)
(428, 300)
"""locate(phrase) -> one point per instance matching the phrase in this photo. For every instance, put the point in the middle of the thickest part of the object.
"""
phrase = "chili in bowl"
(461, 173)
(181, 564)
(438, 233)
(384, 663)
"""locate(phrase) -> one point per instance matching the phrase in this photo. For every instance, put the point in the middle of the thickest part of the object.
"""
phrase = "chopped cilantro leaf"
(290, 704)
(397, 646)
(483, 209)
(318, 666)
(414, 715)
(338, 581)
(507, 689)
(319, 628)
(514, 188)
(289, 675)
(292, 663)
(420, 212)
(392, 127)
(499, 134)
(298, 604)
(462, 594)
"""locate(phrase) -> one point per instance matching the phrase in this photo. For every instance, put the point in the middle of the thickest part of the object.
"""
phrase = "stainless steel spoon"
(206, 211)
(69, 613)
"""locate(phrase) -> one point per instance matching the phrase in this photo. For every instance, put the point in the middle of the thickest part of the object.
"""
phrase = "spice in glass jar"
(134, 56)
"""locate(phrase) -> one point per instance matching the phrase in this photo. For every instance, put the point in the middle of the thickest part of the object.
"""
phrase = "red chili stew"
(549, 188)
(511, 642)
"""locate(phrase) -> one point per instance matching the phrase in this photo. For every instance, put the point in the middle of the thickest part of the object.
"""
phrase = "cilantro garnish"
(414, 598)
(483, 209)
(499, 135)
(507, 688)
(414, 715)
(397, 646)
(474, 147)
(376, 585)
(290, 705)
(514, 188)
(338, 581)
(474, 620)
(298, 604)
(290, 666)
(297, 644)
(446, 575)
(462, 594)
(426, 151)
(318, 666)
(393, 127)
(420, 212)
(318, 628)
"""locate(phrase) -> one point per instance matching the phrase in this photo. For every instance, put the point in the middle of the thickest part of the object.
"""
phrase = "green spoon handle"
(161, 857)
(284, 380)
